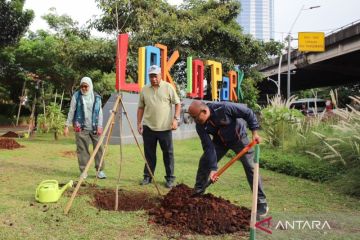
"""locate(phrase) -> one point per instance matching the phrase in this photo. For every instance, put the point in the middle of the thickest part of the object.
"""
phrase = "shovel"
(228, 164)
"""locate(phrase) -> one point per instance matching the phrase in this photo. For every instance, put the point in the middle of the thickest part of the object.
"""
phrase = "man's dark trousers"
(151, 138)
(247, 160)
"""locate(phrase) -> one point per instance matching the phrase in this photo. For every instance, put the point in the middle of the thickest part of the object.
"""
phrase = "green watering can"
(48, 191)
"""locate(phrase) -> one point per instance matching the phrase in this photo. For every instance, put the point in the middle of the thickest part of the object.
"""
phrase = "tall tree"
(65, 56)
(14, 21)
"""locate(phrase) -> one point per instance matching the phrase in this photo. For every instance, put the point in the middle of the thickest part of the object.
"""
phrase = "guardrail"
(342, 28)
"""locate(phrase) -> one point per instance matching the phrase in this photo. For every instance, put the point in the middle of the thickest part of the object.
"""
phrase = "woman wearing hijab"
(85, 115)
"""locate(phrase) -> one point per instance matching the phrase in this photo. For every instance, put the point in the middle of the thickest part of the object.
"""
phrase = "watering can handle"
(49, 181)
(37, 193)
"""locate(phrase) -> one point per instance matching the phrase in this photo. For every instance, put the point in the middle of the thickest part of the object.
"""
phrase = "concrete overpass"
(338, 65)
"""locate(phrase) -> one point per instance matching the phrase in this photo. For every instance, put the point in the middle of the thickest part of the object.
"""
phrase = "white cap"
(154, 69)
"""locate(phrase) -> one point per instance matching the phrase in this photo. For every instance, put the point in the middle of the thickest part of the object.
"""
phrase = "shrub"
(53, 120)
(341, 142)
(299, 165)
(279, 122)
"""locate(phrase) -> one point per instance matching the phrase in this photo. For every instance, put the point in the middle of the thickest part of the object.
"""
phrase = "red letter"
(233, 84)
(197, 79)
(121, 56)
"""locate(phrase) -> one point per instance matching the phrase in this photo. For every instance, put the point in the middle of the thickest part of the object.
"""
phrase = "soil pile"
(7, 143)
(204, 214)
(128, 201)
(10, 134)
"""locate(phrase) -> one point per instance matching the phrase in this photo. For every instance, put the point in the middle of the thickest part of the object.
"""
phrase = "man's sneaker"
(169, 184)
(84, 175)
(262, 209)
(145, 181)
(101, 175)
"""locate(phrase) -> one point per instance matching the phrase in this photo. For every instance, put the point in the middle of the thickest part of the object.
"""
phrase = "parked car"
(309, 106)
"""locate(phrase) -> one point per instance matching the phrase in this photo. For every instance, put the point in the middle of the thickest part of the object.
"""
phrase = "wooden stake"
(255, 193)
(43, 102)
(32, 123)
(105, 149)
(22, 96)
(61, 101)
(138, 145)
(120, 163)
(81, 179)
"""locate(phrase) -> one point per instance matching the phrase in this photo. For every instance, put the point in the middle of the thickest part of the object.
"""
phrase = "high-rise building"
(257, 18)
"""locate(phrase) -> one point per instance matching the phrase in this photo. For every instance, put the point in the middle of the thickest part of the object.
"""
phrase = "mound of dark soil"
(204, 214)
(10, 134)
(7, 143)
(128, 201)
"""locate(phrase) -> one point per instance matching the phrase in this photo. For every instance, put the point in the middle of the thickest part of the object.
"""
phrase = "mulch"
(128, 201)
(10, 134)
(204, 214)
(8, 143)
(180, 211)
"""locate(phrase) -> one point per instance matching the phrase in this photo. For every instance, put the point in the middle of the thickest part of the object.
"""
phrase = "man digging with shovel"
(225, 122)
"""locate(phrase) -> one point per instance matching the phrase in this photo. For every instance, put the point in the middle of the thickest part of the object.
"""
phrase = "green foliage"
(279, 122)
(105, 86)
(331, 142)
(349, 183)
(52, 121)
(59, 59)
(64, 25)
(14, 21)
(334, 136)
(64, 59)
(297, 165)
(5, 121)
(251, 93)
(343, 143)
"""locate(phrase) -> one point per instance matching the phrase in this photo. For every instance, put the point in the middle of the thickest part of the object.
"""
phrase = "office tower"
(257, 18)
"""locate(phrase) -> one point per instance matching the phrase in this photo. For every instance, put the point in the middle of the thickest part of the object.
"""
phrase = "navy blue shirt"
(227, 127)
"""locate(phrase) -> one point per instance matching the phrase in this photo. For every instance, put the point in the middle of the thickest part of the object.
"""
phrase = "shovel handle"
(234, 159)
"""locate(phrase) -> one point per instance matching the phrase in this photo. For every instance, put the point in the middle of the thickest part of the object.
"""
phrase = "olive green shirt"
(157, 104)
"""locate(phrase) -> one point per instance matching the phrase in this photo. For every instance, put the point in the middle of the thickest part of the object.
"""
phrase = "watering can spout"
(62, 190)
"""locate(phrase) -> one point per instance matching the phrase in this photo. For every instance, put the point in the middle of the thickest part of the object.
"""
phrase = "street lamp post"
(277, 83)
(289, 47)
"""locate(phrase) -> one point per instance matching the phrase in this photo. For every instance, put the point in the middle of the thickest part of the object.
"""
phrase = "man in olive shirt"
(155, 122)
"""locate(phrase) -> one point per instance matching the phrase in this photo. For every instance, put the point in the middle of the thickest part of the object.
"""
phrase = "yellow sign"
(311, 42)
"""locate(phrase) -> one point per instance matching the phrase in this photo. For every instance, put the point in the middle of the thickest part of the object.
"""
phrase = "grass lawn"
(21, 170)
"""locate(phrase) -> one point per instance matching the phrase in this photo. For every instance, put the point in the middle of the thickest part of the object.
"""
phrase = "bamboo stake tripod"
(118, 108)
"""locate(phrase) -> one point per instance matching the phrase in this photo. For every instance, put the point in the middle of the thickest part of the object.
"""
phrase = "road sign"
(311, 41)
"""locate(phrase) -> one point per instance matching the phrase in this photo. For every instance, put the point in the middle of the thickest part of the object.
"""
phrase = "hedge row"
(294, 164)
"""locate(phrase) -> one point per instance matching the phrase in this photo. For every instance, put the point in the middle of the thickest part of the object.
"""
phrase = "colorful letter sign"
(230, 89)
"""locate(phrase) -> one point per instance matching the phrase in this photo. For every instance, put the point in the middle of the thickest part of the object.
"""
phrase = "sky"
(331, 15)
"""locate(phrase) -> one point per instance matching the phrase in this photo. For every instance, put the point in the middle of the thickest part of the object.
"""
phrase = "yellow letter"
(141, 67)
(216, 76)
